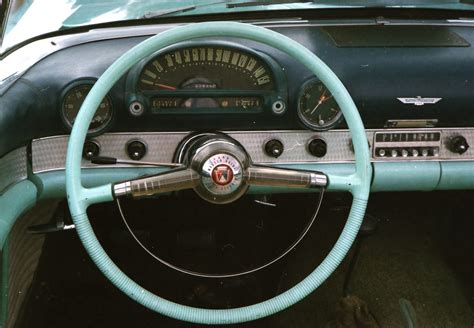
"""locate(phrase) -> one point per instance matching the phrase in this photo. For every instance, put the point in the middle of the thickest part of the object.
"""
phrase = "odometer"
(206, 104)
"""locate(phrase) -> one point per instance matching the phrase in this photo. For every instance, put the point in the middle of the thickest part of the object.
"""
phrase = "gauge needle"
(164, 86)
(322, 99)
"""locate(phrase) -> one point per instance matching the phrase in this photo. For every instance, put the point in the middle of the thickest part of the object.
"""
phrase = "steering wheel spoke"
(337, 182)
(161, 183)
(96, 195)
(279, 177)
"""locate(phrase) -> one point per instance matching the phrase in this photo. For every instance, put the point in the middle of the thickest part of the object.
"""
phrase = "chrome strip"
(49, 154)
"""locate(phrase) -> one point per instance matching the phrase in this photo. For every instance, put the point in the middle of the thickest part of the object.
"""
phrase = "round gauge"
(317, 108)
(72, 102)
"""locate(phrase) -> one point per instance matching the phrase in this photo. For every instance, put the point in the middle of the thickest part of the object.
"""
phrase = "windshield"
(29, 18)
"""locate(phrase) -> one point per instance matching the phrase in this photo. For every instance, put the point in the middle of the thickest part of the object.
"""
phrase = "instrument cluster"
(214, 79)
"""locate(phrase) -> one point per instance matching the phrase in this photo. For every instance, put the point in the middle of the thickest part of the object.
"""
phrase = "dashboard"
(226, 116)
(413, 91)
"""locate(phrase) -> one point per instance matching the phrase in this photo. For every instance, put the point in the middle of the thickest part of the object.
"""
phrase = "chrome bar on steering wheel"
(166, 182)
(279, 177)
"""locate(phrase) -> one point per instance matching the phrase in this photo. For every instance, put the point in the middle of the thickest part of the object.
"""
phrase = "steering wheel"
(219, 170)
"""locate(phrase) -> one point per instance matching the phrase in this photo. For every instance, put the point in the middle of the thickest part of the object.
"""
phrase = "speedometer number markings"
(157, 66)
(205, 68)
(150, 74)
(226, 56)
(249, 68)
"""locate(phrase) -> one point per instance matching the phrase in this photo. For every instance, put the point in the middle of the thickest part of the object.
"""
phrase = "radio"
(407, 144)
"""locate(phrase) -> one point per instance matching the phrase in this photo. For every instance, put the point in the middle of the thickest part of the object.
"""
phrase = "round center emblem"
(222, 174)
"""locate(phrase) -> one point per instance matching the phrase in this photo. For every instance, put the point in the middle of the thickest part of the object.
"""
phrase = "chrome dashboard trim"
(49, 154)
(13, 168)
(419, 101)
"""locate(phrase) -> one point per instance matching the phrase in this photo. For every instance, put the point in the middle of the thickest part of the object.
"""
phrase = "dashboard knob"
(394, 153)
(404, 153)
(458, 145)
(136, 149)
(382, 152)
(424, 152)
(317, 147)
(274, 148)
(91, 149)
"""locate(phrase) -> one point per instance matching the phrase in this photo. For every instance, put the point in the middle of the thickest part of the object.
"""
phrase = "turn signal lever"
(103, 160)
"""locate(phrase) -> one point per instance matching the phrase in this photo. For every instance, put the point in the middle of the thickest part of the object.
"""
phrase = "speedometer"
(214, 78)
(210, 67)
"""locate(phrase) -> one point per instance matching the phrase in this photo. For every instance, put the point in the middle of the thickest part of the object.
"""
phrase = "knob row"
(407, 152)
(316, 147)
(136, 149)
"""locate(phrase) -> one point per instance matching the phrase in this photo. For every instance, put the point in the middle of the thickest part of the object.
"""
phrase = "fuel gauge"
(72, 101)
(317, 108)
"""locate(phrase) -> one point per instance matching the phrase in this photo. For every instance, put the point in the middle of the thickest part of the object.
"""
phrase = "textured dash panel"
(50, 153)
(12, 168)
(24, 254)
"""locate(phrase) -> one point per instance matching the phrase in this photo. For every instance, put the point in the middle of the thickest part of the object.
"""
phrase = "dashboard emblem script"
(222, 174)
(419, 101)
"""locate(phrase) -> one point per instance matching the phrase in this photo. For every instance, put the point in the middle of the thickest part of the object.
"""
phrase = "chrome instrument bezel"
(315, 127)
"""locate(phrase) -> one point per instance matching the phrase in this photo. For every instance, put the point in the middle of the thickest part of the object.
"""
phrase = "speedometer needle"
(164, 86)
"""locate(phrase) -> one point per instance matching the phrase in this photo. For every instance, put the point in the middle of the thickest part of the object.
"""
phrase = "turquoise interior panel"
(13, 203)
(421, 176)
(456, 175)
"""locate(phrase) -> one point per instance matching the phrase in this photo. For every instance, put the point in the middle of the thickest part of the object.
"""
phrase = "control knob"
(274, 148)
(458, 145)
(91, 149)
(317, 147)
(136, 149)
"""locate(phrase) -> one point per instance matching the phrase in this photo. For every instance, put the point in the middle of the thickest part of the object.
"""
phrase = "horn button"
(221, 174)
(220, 162)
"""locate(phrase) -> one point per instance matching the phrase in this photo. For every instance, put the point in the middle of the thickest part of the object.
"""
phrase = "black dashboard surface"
(375, 74)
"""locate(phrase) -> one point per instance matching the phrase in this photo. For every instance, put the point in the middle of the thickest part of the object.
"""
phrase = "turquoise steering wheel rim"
(80, 198)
